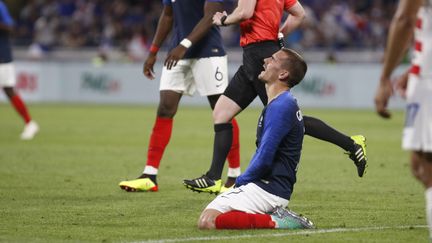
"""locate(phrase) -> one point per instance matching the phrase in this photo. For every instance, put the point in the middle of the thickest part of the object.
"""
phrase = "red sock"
(234, 153)
(21, 108)
(159, 139)
(242, 220)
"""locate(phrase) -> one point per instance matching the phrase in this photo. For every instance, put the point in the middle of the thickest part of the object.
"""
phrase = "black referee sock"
(221, 147)
(318, 129)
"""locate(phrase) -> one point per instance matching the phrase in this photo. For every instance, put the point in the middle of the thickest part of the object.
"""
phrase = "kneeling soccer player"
(262, 193)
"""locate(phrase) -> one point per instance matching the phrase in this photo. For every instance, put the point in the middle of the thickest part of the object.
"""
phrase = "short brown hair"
(295, 65)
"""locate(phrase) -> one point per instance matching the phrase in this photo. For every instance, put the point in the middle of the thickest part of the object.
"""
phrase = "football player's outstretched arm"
(401, 31)
(163, 29)
(295, 18)
(198, 32)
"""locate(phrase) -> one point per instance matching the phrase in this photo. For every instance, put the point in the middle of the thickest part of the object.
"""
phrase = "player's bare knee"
(416, 166)
(205, 223)
(428, 157)
(421, 168)
(207, 219)
(166, 110)
(427, 169)
(221, 116)
(9, 91)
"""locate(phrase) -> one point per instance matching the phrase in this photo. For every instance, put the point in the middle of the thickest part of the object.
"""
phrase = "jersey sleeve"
(278, 123)
(289, 3)
(166, 2)
(5, 17)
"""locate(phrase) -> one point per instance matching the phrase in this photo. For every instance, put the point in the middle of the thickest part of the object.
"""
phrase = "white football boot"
(30, 130)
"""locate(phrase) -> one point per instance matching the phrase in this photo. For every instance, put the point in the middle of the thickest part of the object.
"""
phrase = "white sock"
(150, 170)
(234, 172)
(428, 194)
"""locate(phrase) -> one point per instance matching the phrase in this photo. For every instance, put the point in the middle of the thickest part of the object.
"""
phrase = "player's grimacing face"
(271, 68)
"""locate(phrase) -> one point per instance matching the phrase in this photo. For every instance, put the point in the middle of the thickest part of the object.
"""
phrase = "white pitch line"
(302, 232)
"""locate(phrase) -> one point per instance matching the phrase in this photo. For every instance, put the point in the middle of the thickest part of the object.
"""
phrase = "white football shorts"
(7, 74)
(208, 76)
(417, 133)
(249, 198)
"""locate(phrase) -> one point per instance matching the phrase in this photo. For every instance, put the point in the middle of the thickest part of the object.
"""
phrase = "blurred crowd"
(339, 24)
(130, 25)
(127, 24)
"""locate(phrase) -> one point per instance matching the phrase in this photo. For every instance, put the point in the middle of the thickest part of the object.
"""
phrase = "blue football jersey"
(5, 45)
(279, 142)
(187, 14)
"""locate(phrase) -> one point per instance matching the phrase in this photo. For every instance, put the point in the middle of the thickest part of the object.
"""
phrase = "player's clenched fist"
(217, 17)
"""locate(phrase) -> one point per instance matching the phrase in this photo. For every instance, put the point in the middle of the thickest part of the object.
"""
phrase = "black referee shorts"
(245, 85)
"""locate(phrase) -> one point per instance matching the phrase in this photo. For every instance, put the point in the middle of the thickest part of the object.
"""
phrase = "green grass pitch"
(63, 185)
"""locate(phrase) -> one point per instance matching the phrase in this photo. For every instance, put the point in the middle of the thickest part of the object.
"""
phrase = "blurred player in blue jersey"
(263, 191)
(7, 74)
(196, 62)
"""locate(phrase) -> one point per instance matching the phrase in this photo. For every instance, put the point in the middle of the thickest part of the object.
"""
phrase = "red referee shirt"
(264, 24)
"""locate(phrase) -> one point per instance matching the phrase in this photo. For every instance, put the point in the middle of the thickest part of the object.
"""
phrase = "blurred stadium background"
(49, 25)
(56, 40)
